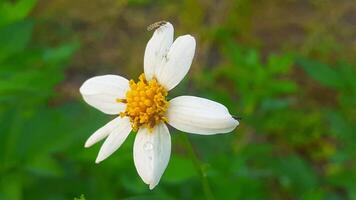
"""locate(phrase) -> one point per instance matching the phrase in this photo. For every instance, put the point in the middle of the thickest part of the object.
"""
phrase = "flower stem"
(203, 176)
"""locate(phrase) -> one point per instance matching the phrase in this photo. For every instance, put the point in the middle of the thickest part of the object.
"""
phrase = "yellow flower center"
(145, 103)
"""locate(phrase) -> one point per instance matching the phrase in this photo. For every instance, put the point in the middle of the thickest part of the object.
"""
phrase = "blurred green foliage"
(295, 140)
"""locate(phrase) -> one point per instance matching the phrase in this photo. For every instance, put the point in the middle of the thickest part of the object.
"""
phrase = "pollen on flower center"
(145, 103)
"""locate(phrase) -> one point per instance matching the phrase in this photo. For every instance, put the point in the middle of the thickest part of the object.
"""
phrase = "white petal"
(157, 47)
(115, 139)
(101, 92)
(176, 64)
(151, 153)
(103, 132)
(198, 115)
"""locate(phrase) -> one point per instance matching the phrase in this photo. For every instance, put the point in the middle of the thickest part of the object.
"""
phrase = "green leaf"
(14, 38)
(11, 186)
(278, 64)
(314, 195)
(61, 53)
(180, 169)
(44, 166)
(322, 73)
(295, 174)
(82, 197)
(11, 11)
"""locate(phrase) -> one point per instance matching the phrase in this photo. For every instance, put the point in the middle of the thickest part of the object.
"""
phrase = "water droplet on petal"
(148, 146)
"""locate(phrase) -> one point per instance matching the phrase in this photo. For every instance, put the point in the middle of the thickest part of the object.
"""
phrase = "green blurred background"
(287, 67)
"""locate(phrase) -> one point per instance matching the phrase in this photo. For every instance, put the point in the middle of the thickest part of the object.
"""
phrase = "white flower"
(142, 106)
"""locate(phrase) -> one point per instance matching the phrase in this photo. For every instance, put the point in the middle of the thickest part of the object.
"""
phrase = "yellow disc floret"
(145, 103)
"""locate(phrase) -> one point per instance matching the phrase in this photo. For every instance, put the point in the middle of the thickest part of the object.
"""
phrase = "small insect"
(156, 25)
(236, 117)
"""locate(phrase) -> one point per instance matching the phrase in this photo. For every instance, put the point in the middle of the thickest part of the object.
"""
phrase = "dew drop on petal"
(148, 146)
